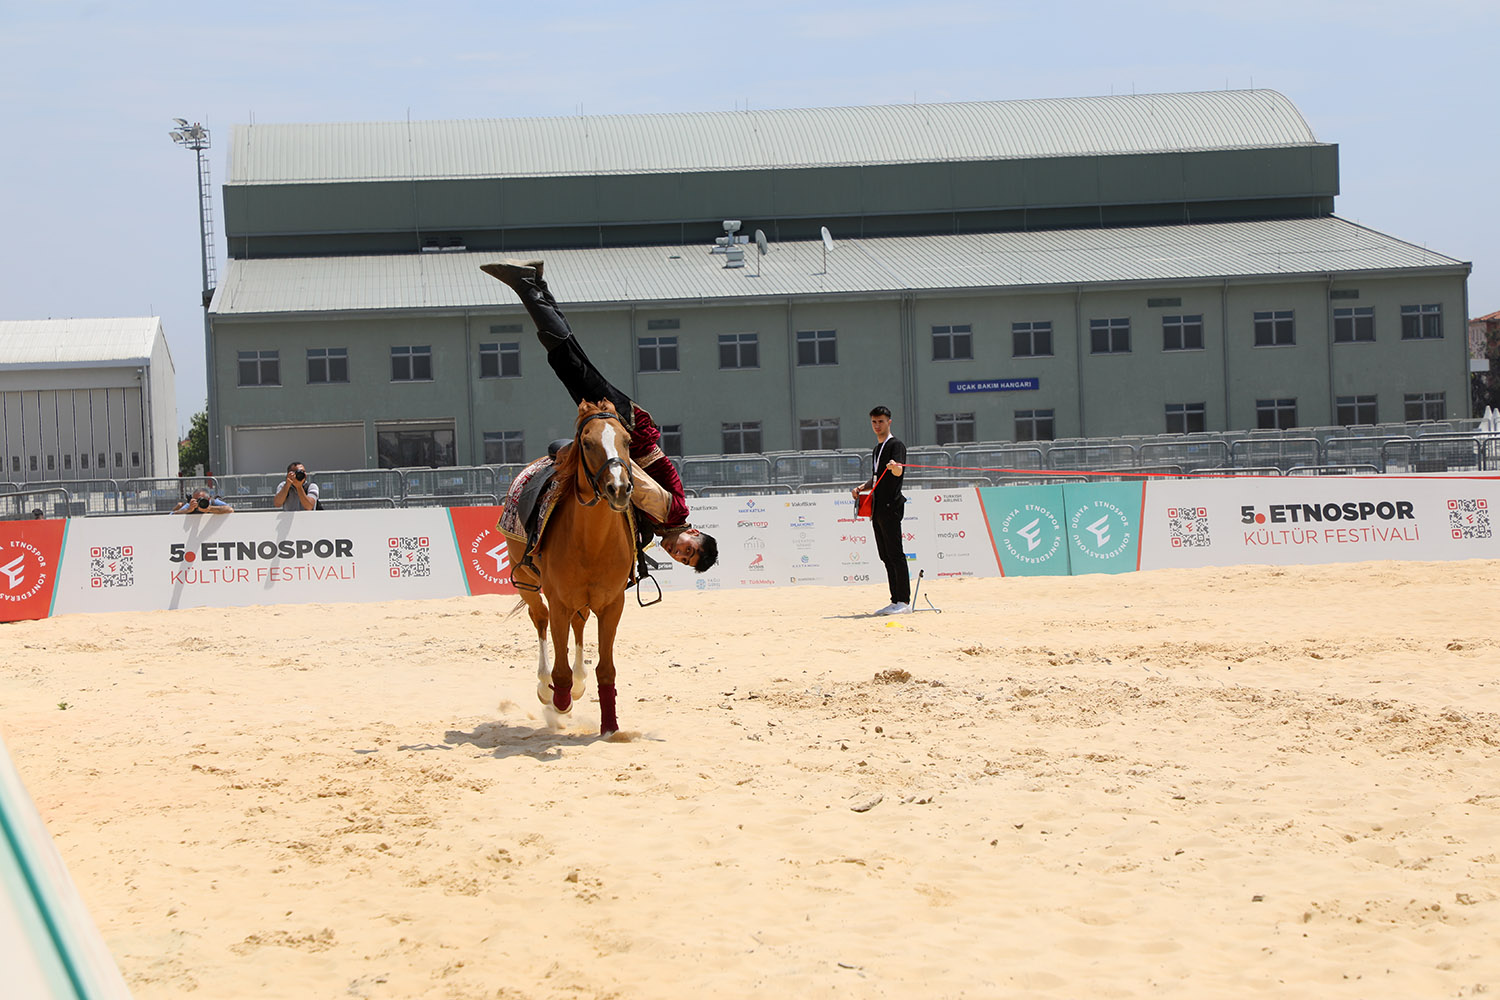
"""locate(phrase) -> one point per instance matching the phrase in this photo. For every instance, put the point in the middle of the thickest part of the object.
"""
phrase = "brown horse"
(584, 559)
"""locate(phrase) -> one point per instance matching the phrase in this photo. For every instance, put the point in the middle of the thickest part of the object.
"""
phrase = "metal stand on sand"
(916, 590)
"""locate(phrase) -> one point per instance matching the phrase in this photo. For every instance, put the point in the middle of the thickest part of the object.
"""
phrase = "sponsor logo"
(22, 576)
(952, 534)
(753, 524)
(1301, 513)
(856, 578)
(945, 516)
(758, 563)
(855, 539)
(1101, 530)
(287, 548)
(703, 584)
(801, 503)
(493, 564)
(755, 544)
(749, 583)
(948, 498)
(962, 572)
(1037, 530)
(750, 508)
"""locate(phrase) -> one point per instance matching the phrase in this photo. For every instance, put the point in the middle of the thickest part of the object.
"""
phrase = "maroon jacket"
(645, 451)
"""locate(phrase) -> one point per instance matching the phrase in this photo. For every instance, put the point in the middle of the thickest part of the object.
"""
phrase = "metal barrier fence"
(27, 504)
(1434, 446)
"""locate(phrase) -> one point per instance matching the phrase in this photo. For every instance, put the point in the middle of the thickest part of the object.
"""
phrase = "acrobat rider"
(661, 500)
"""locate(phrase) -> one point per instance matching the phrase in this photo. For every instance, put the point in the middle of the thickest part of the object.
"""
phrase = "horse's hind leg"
(580, 669)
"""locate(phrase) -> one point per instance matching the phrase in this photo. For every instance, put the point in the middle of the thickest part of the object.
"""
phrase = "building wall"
(881, 358)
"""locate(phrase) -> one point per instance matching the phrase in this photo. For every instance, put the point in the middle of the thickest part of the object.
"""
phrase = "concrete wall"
(882, 358)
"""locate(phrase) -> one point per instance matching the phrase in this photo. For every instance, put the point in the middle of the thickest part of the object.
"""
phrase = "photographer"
(201, 503)
(297, 493)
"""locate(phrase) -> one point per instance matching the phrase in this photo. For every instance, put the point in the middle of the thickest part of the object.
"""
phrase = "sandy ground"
(1208, 783)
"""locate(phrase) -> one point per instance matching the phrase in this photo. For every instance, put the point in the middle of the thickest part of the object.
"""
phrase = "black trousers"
(583, 381)
(885, 520)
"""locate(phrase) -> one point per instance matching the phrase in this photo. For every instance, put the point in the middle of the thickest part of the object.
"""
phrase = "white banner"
(231, 560)
(815, 538)
(1296, 520)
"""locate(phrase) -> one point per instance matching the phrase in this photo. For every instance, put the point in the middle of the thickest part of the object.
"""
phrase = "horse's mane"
(567, 465)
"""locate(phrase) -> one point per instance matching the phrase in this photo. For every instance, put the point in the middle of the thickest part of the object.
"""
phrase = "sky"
(98, 207)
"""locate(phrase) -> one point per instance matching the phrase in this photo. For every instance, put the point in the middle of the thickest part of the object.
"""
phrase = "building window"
(411, 364)
(327, 364)
(32, 462)
(1182, 333)
(1186, 418)
(817, 347)
(671, 439)
(260, 367)
(67, 463)
(83, 462)
(955, 428)
(1034, 425)
(135, 459)
(1275, 414)
(739, 350)
(414, 447)
(101, 461)
(1422, 322)
(1109, 336)
(119, 460)
(1356, 410)
(1426, 406)
(820, 435)
(500, 360)
(953, 343)
(504, 448)
(51, 463)
(1031, 340)
(1275, 329)
(742, 438)
(1354, 325)
(657, 354)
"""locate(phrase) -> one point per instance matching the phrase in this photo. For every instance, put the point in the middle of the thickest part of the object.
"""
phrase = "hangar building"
(86, 399)
(1007, 270)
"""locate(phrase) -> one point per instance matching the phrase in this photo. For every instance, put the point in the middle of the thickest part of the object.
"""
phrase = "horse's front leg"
(562, 673)
(609, 622)
(580, 669)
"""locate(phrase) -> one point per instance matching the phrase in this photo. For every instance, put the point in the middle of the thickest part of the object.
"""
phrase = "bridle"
(595, 478)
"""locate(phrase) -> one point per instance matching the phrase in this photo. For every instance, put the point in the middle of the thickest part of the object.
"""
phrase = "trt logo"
(946, 516)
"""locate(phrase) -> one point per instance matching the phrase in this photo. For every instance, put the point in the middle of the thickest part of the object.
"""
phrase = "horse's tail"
(521, 603)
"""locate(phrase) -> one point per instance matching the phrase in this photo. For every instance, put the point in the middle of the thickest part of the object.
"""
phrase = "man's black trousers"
(886, 523)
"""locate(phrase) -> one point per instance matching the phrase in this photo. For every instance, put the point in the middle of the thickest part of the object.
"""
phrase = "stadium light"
(197, 138)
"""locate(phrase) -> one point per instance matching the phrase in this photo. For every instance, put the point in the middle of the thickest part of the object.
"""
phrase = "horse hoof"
(544, 693)
(579, 687)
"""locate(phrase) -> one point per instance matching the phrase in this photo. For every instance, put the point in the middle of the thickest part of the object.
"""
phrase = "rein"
(593, 477)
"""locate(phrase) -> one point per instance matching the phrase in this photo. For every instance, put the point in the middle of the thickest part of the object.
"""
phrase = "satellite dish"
(760, 242)
(827, 239)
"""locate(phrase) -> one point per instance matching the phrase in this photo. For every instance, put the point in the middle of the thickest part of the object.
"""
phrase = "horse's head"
(603, 446)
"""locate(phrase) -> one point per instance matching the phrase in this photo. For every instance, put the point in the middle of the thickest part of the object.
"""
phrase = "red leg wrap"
(562, 698)
(607, 721)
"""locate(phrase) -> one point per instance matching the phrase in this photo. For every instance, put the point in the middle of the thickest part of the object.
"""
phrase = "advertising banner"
(1104, 526)
(1028, 527)
(150, 563)
(482, 549)
(30, 552)
(1295, 520)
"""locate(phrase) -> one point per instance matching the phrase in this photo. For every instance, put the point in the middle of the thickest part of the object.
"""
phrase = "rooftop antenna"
(827, 246)
(763, 247)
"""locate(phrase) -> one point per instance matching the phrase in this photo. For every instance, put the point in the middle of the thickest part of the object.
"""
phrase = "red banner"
(482, 549)
(30, 552)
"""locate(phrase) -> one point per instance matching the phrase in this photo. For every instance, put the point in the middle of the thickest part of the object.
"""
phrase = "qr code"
(1469, 518)
(111, 566)
(1188, 527)
(411, 556)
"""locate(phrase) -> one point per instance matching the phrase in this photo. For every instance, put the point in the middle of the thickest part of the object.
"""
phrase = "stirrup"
(638, 599)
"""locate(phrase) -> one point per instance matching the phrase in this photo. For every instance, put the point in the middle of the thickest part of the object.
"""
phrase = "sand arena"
(1207, 783)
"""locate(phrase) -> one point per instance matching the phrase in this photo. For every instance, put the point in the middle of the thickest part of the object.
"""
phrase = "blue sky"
(97, 205)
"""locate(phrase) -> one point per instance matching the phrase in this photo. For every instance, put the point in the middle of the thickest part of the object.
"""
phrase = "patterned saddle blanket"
(530, 499)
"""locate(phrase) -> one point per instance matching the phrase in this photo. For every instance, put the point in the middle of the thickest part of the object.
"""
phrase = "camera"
(301, 475)
(203, 503)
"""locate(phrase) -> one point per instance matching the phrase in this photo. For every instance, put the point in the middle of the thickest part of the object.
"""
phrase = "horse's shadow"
(537, 742)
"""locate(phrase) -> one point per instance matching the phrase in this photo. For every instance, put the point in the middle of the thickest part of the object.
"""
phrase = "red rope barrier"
(1054, 473)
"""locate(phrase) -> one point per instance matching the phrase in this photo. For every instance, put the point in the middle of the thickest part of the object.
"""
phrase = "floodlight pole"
(196, 138)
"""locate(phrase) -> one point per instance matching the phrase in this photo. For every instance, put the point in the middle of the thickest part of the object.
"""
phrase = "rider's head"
(692, 547)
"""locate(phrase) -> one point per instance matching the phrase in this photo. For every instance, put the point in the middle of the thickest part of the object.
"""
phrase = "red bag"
(866, 502)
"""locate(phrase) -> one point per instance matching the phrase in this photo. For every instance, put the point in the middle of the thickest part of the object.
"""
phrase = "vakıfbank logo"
(1031, 534)
(1100, 530)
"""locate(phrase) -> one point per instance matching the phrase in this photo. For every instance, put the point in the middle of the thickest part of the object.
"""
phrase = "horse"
(584, 560)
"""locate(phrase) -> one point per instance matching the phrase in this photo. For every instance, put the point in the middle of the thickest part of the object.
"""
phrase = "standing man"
(297, 493)
(886, 509)
(660, 498)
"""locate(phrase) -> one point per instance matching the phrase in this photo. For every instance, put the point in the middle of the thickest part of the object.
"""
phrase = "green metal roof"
(734, 140)
(611, 276)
